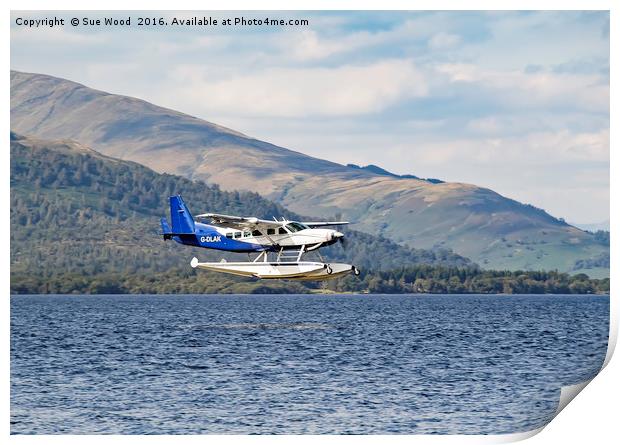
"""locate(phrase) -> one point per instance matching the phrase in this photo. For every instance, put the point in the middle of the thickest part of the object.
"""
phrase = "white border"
(593, 416)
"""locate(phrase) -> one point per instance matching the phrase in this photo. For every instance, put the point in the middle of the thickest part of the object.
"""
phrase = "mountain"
(494, 231)
(77, 212)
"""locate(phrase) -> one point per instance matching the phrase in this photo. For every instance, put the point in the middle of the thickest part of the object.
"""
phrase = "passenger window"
(271, 231)
(281, 231)
(257, 233)
(229, 235)
(246, 234)
(237, 234)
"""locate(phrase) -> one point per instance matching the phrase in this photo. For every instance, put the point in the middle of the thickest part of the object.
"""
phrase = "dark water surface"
(298, 363)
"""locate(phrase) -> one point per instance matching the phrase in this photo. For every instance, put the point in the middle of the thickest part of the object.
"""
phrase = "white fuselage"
(282, 236)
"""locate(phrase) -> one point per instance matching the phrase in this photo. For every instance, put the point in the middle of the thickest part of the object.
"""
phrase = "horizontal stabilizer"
(164, 226)
(167, 233)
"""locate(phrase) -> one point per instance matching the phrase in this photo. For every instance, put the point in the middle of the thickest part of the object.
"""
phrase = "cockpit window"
(282, 231)
(256, 233)
(296, 226)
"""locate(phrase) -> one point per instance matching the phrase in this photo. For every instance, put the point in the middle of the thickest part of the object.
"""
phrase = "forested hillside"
(82, 222)
(79, 215)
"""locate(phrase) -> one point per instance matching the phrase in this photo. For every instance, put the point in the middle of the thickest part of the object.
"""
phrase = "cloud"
(296, 92)
(485, 125)
(534, 89)
(443, 40)
(534, 148)
(311, 44)
(307, 45)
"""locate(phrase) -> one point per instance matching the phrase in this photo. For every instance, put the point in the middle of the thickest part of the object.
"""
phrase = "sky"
(514, 101)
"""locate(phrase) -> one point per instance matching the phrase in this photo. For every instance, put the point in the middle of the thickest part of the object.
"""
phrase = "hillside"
(475, 222)
(75, 211)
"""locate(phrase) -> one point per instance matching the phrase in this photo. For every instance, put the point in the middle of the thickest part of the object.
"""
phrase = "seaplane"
(280, 245)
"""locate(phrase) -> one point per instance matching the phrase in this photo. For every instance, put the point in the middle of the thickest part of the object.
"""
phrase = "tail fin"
(182, 220)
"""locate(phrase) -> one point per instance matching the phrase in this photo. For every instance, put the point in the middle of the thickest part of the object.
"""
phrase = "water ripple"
(298, 364)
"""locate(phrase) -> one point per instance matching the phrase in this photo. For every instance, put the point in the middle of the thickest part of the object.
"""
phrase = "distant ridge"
(494, 231)
(380, 171)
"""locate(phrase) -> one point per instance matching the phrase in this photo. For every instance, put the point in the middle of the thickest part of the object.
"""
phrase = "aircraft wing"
(325, 223)
(237, 222)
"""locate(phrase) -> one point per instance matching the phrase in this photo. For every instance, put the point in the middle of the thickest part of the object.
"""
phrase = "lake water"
(338, 364)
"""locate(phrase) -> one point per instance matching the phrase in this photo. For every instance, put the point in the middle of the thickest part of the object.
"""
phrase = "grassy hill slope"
(475, 222)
